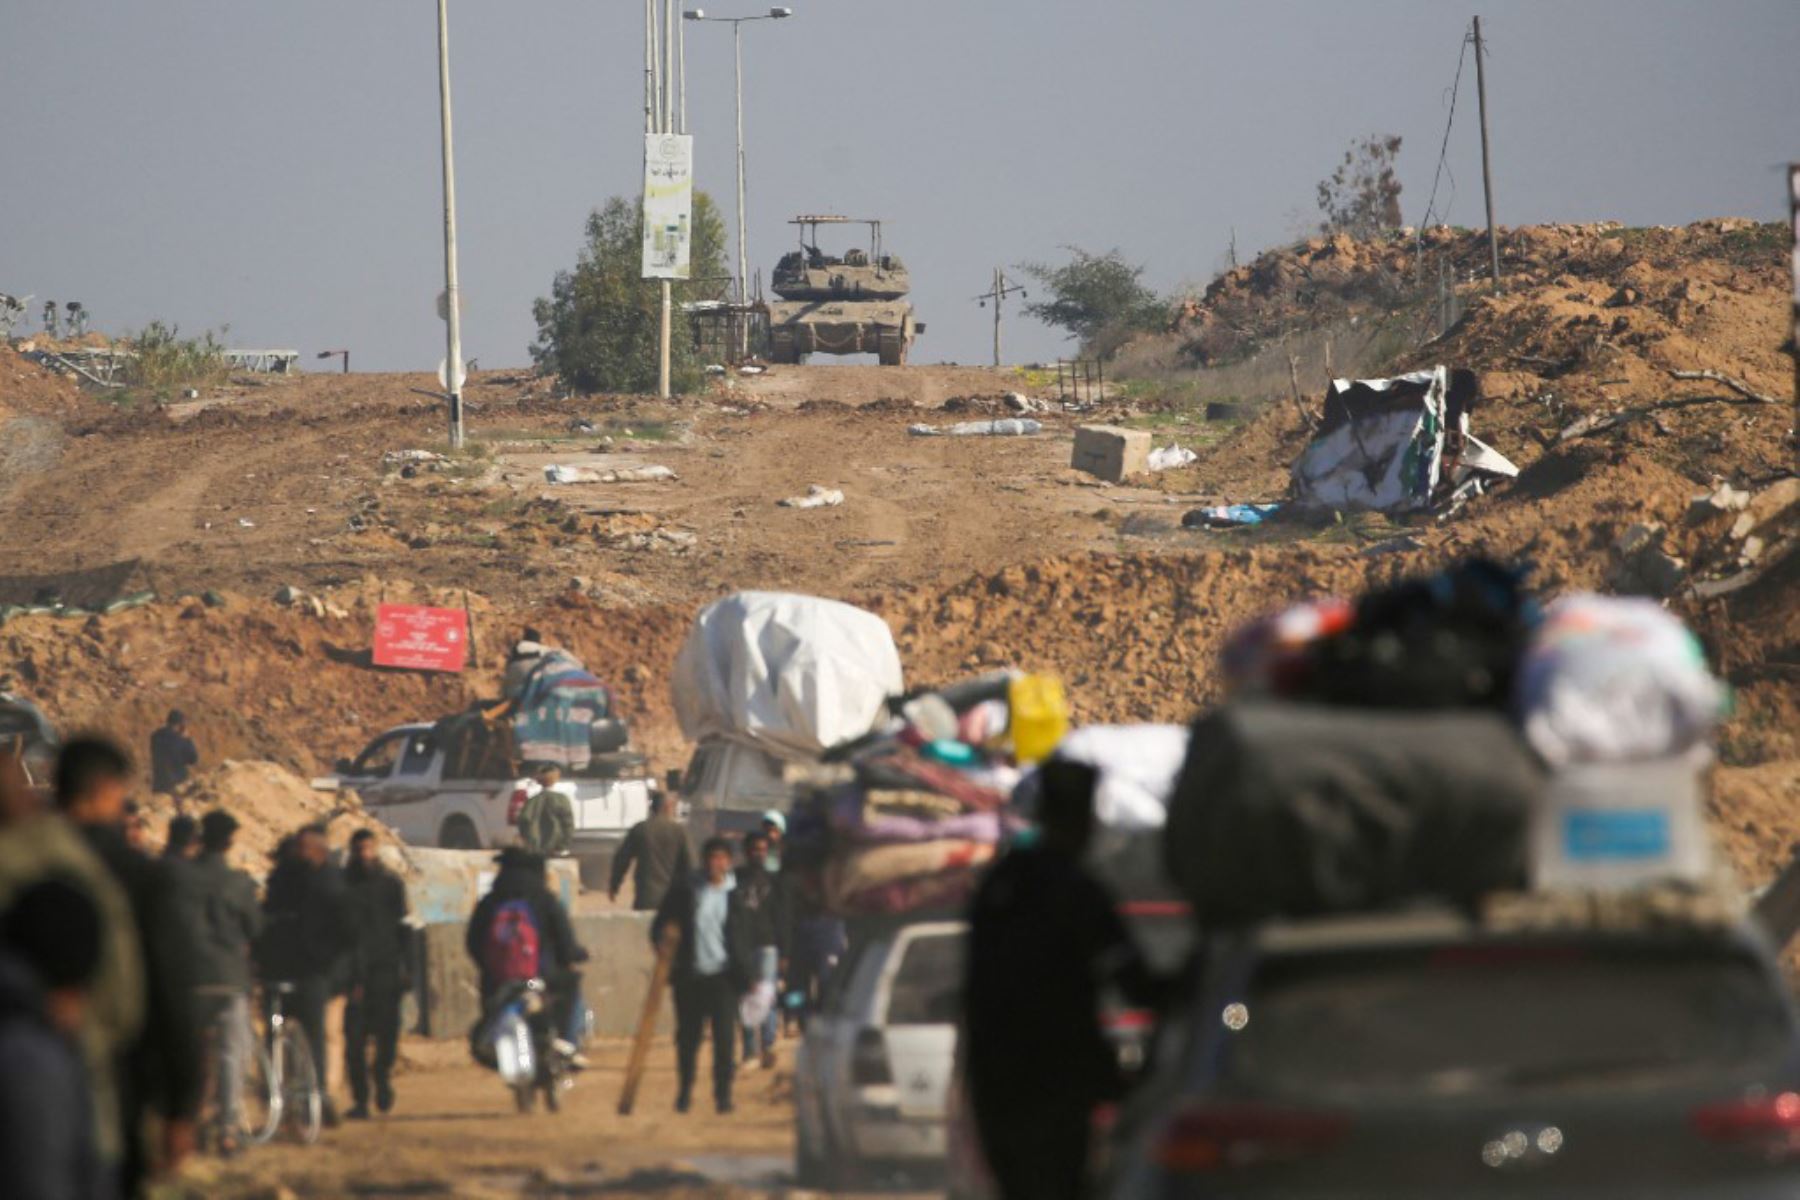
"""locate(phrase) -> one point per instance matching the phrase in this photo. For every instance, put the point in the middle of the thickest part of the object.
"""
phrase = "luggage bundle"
(1443, 740)
(901, 822)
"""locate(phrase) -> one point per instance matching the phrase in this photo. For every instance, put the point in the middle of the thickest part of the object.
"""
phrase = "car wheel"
(458, 833)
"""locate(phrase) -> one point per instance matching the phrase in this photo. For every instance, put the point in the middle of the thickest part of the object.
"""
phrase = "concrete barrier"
(613, 979)
(1111, 453)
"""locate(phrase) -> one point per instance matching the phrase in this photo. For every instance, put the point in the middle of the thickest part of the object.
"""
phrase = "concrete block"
(1111, 453)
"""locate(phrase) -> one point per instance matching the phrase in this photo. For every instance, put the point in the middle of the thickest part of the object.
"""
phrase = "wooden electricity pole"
(998, 294)
(1487, 164)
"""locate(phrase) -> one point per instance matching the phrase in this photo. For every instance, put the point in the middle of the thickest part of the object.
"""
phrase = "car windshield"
(926, 988)
(1510, 1017)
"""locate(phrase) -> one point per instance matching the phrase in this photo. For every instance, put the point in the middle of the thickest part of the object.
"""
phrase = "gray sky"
(274, 166)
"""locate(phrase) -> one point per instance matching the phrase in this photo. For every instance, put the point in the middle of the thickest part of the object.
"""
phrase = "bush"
(597, 330)
(1362, 197)
(166, 362)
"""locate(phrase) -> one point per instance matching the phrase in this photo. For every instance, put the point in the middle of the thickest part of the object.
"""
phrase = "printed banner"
(421, 639)
(668, 204)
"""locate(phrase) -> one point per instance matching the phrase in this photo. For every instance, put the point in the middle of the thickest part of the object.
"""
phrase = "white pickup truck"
(404, 778)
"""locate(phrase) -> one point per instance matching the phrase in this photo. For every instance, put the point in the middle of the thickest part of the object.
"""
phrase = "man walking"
(307, 936)
(762, 899)
(658, 848)
(547, 818)
(380, 972)
(709, 972)
(172, 754)
(1044, 938)
(221, 911)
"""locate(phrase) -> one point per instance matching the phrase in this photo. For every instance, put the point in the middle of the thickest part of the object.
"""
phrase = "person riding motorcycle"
(520, 929)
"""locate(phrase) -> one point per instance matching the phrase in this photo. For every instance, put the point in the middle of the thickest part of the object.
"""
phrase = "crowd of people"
(127, 978)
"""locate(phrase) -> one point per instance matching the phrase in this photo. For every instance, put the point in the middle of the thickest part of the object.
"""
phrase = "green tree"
(1099, 298)
(597, 329)
(1362, 197)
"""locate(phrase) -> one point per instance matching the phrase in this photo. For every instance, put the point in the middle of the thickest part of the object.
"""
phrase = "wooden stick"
(1737, 385)
(646, 1031)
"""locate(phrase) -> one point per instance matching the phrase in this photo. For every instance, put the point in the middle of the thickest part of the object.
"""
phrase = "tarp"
(792, 674)
(1379, 446)
(555, 714)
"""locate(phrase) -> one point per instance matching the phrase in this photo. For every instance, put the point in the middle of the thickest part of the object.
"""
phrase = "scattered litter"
(1228, 515)
(581, 425)
(401, 458)
(246, 523)
(751, 369)
(1020, 402)
(1170, 457)
(1004, 427)
(562, 473)
(715, 368)
(817, 496)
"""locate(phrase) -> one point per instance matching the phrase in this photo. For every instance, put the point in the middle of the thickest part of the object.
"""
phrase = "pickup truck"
(404, 778)
(727, 787)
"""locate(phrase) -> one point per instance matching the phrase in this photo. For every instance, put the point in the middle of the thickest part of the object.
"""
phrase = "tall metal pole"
(452, 317)
(649, 66)
(668, 123)
(737, 39)
(681, 76)
(1487, 165)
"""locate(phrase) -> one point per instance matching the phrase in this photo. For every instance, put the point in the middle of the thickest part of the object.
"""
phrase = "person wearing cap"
(218, 904)
(774, 827)
(172, 754)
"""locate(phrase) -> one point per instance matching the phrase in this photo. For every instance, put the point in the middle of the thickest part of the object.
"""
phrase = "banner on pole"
(421, 639)
(668, 204)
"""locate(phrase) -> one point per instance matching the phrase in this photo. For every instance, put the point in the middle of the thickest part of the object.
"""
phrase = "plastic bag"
(757, 1004)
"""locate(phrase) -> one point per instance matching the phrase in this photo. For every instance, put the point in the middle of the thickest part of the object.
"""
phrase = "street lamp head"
(779, 13)
(693, 14)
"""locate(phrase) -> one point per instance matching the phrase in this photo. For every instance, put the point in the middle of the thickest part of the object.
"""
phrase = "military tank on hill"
(855, 304)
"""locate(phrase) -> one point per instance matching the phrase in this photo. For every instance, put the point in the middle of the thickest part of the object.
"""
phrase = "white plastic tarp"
(793, 674)
(1380, 446)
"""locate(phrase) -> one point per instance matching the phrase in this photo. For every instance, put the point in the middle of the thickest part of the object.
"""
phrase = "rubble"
(1641, 566)
(817, 496)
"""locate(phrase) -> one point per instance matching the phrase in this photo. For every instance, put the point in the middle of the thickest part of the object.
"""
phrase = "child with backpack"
(520, 930)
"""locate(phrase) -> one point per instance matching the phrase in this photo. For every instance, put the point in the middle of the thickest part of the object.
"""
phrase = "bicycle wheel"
(260, 1116)
(302, 1101)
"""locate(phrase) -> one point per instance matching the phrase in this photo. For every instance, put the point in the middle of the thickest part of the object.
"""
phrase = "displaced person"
(306, 937)
(657, 848)
(520, 930)
(162, 1072)
(526, 654)
(37, 844)
(711, 966)
(761, 897)
(181, 843)
(547, 818)
(50, 950)
(818, 942)
(172, 754)
(380, 973)
(774, 828)
(1044, 939)
(226, 922)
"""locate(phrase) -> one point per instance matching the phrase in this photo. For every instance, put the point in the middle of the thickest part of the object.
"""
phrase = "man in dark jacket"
(1044, 938)
(172, 754)
(306, 936)
(522, 879)
(761, 894)
(658, 848)
(710, 972)
(219, 907)
(50, 946)
(380, 972)
(162, 1072)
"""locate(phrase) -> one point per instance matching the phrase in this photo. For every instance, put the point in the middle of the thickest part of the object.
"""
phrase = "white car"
(873, 1072)
(406, 777)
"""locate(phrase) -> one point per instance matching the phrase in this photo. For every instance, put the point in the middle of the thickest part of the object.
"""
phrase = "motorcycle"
(516, 1039)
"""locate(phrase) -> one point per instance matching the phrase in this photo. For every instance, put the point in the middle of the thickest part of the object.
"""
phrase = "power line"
(1443, 167)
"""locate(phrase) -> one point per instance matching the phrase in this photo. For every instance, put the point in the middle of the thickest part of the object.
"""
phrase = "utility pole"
(998, 294)
(453, 365)
(666, 117)
(737, 49)
(1487, 165)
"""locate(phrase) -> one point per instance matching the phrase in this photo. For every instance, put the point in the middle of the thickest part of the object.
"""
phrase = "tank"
(854, 304)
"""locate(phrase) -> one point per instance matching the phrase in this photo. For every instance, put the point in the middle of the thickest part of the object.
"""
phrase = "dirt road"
(454, 1133)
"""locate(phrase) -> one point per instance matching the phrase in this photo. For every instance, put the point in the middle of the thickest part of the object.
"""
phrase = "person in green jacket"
(547, 820)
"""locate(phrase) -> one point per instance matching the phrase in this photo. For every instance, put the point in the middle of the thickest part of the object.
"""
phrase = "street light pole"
(452, 317)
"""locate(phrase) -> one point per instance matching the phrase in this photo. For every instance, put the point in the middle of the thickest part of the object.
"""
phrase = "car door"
(831, 1036)
(411, 798)
(371, 774)
(918, 1006)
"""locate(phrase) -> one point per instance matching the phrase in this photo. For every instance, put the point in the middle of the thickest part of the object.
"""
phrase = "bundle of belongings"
(559, 710)
(1397, 445)
(1445, 739)
(902, 821)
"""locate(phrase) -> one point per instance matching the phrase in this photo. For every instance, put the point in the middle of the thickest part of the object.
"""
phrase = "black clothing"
(1044, 938)
(380, 970)
(659, 849)
(217, 905)
(46, 1122)
(373, 1014)
(762, 895)
(306, 933)
(164, 1069)
(558, 950)
(706, 1005)
(678, 911)
(171, 754)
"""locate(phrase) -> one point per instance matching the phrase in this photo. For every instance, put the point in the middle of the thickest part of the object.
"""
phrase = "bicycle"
(258, 1113)
(299, 1098)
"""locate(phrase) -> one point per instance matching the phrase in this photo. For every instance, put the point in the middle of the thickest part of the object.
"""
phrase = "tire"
(892, 352)
(260, 1119)
(302, 1100)
(459, 833)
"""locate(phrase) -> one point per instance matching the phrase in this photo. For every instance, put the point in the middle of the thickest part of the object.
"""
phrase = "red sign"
(421, 639)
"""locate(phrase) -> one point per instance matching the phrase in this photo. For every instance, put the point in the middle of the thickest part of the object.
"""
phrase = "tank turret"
(849, 304)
